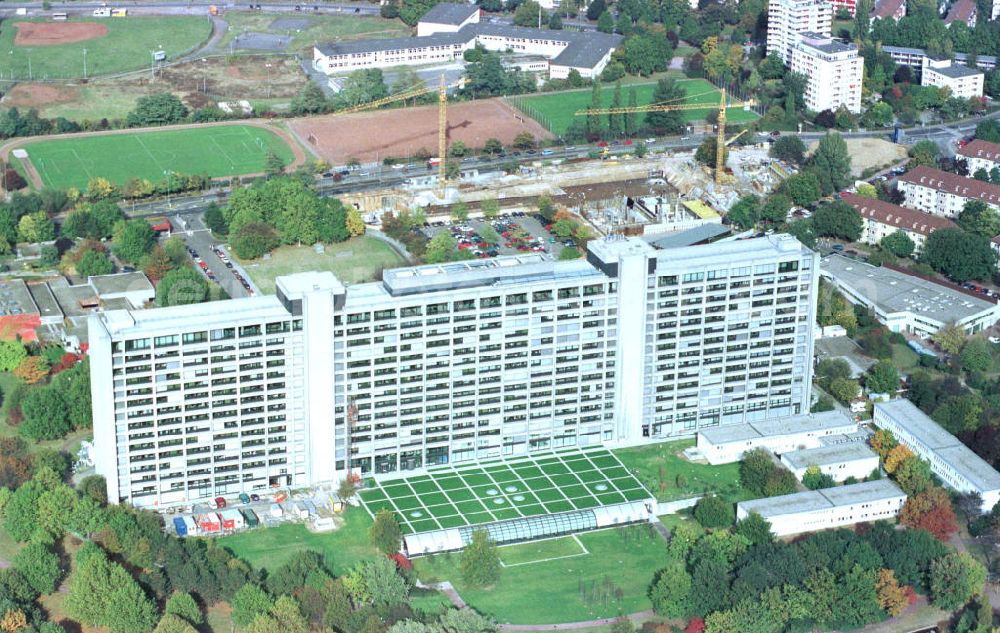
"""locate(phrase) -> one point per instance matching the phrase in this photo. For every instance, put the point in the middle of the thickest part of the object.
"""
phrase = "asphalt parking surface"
(539, 239)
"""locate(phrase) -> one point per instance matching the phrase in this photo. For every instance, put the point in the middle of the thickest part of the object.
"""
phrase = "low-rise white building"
(447, 17)
(840, 461)
(727, 444)
(828, 508)
(834, 71)
(980, 154)
(132, 287)
(914, 57)
(907, 303)
(953, 462)
(964, 82)
(881, 219)
(944, 193)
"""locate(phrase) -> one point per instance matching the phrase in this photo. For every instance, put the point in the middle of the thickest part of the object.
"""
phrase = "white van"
(103, 12)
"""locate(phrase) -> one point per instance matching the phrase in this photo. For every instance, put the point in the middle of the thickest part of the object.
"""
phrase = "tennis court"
(454, 497)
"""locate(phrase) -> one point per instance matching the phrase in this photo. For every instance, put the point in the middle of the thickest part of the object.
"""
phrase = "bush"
(254, 240)
(712, 511)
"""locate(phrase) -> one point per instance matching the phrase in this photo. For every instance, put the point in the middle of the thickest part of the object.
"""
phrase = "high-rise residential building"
(450, 363)
(788, 19)
(834, 71)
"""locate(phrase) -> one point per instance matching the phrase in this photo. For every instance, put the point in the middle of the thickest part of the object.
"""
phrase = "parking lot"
(211, 258)
(291, 509)
(518, 233)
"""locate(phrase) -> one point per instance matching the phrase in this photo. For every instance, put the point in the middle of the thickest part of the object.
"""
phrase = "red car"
(220, 502)
(602, 144)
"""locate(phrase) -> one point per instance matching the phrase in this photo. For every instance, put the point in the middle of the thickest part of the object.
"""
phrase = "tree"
(790, 149)
(377, 582)
(310, 100)
(950, 338)
(21, 511)
(214, 219)
(954, 579)
(712, 511)
(159, 109)
(355, 225)
(441, 248)
(40, 567)
(465, 621)
(866, 190)
(490, 209)
(745, 213)
(930, 510)
(977, 617)
(891, 597)
(803, 231)
(898, 243)
(182, 286)
(838, 219)
(156, 264)
(248, 603)
(253, 240)
(173, 624)
(882, 377)
(844, 390)
(978, 218)
(832, 162)
(896, 456)
(706, 153)
(32, 369)
(959, 255)
(132, 240)
(671, 590)
(529, 13)
(755, 529)
(606, 23)
(977, 354)
(914, 475)
(102, 593)
(755, 468)
(35, 227)
(385, 533)
(46, 414)
(480, 564)
(492, 146)
(94, 262)
(595, 9)
(182, 605)
(815, 479)
(802, 188)
(670, 122)
(273, 164)
(555, 22)
(524, 141)
(879, 115)
(923, 153)
(11, 355)
(883, 442)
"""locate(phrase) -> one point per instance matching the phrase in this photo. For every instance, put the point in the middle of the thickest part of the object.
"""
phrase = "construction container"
(180, 527)
(298, 511)
(250, 517)
(192, 527)
(309, 506)
(232, 519)
(209, 522)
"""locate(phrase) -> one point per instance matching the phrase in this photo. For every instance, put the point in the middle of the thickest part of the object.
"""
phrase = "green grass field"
(555, 110)
(537, 551)
(453, 497)
(321, 27)
(658, 463)
(126, 46)
(611, 579)
(227, 150)
(272, 547)
(354, 261)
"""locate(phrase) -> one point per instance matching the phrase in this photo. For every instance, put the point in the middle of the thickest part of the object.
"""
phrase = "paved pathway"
(637, 618)
(662, 530)
(447, 589)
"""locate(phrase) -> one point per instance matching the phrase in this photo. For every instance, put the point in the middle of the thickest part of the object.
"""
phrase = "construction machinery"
(666, 106)
(442, 90)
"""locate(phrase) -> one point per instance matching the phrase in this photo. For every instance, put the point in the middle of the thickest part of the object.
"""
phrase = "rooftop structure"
(907, 303)
(703, 234)
(727, 444)
(944, 193)
(953, 462)
(828, 508)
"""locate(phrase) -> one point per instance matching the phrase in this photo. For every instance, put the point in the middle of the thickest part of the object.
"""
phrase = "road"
(190, 228)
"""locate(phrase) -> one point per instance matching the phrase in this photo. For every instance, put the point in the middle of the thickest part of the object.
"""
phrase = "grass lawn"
(555, 110)
(537, 551)
(272, 547)
(126, 46)
(226, 150)
(566, 590)
(428, 601)
(648, 462)
(354, 261)
(904, 358)
(321, 27)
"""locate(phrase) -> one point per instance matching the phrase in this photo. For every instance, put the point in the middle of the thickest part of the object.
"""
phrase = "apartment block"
(834, 71)
(450, 363)
(944, 193)
(980, 154)
(788, 19)
(881, 219)
(964, 82)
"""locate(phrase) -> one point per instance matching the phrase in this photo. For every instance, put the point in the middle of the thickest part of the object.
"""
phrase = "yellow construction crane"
(666, 106)
(442, 91)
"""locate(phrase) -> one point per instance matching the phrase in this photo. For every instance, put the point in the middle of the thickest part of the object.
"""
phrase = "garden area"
(663, 469)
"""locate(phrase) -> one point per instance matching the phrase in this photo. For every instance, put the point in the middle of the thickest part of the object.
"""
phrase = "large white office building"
(953, 462)
(833, 69)
(787, 20)
(449, 363)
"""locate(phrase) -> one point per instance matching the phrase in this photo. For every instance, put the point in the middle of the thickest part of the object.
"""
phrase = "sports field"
(115, 45)
(226, 150)
(555, 110)
(452, 497)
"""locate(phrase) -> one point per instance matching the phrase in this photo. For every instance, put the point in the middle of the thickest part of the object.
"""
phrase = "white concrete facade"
(449, 364)
(964, 82)
(980, 154)
(881, 219)
(727, 444)
(943, 193)
(788, 19)
(447, 18)
(834, 71)
(954, 463)
(827, 509)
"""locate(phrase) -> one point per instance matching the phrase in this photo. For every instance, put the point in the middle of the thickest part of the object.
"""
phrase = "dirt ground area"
(238, 77)
(372, 136)
(869, 152)
(39, 95)
(51, 33)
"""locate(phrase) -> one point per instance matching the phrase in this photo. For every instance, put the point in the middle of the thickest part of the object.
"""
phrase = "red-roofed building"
(882, 218)
(944, 193)
(962, 11)
(980, 154)
(886, 9)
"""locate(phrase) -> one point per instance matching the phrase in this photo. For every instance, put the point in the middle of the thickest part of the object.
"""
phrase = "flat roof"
(826, 499)
(45, 300)
(733, 253)
(825, 44)
(514, 269)
(945, 445)
(612, 247)
(449, 13)
(700, 209)
(955, 71)
(194, 317)
(789, 425)
(894, 292)
(15, 298)
(831, 454)
(689, 237)
(120, 283)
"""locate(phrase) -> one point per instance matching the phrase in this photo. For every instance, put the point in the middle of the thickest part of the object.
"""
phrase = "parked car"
(244, 497)
(220, 502)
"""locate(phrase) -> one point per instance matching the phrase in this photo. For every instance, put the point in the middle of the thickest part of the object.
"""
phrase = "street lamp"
(84, 63)
(268, 66)
(167, 172)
